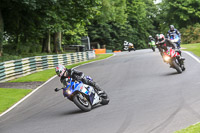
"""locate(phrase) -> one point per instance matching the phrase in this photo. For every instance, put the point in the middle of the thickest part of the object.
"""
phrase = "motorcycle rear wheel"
(153, 48)
(83, 104)
(176, 66)
(105, 99)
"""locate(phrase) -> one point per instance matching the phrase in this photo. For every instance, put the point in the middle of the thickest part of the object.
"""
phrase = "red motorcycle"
(174, 59)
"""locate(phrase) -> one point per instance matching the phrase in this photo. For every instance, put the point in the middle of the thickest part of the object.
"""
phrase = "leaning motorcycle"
(128, 47)
(131, 48)
(174, 59)
(84, 96)
(152, 45)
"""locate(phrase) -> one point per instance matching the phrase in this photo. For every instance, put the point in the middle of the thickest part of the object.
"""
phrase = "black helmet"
(171, 27)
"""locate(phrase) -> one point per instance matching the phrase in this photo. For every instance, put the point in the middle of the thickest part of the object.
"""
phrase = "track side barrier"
(13, 69)
(100, 51)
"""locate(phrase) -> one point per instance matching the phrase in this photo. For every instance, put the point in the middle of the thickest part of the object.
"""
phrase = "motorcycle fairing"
(83, 88)
(94, 98)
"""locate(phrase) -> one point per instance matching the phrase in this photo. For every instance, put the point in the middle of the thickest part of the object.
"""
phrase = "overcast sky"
(157, 1)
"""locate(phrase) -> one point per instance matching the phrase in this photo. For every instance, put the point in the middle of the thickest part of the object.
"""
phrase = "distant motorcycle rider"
(65, 74)
(128, 44)
(172, 31)
(151, 39)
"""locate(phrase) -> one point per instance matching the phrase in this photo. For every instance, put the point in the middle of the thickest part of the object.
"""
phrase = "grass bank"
(46, 74)
(195, 48)
(191, 129)
(8, 97)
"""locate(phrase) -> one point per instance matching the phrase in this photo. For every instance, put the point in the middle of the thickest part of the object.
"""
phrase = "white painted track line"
(194, 57)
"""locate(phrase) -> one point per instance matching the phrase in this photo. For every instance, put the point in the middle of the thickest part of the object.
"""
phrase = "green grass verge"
(191, 129)
(8, 97)
(195, 48)
(46, 74)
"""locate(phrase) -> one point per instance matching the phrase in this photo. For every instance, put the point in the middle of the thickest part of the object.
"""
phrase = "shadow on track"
(169, 74)
(77, 111)
(72, 112)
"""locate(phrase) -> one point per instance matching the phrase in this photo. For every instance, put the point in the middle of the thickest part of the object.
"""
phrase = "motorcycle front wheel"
(81, 101)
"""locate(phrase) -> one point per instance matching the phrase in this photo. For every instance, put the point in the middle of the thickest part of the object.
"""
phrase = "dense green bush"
(191, 34)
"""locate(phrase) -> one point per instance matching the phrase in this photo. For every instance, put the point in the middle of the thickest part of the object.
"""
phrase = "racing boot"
(182, 58)
(98, 89)
(96, 86)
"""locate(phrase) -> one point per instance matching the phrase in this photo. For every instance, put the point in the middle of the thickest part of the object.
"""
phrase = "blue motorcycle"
(84, 96)
(176, 39)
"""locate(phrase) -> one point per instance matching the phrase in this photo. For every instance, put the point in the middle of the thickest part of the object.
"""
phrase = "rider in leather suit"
(65, 73)
(162, 44)
(173, 31)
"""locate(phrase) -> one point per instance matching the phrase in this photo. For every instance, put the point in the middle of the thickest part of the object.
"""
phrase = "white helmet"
(60, 69)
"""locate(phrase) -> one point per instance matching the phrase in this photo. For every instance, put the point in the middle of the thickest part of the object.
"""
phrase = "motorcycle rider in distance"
(128, 44)
(162, 44)
(151, 43)
(173, 31)
(65, 74)
(151, 38)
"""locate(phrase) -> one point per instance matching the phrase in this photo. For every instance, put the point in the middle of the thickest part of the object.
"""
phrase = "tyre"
(183, 69)
(105, 99)
(153, 48)
(182, 65)
(82, 102)
(176, 66)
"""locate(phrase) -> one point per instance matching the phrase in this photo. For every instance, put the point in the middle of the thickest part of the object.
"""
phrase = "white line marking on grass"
(194, 57)
(12, 107)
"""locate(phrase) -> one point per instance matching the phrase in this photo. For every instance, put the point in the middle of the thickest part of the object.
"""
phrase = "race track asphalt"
(146, 96)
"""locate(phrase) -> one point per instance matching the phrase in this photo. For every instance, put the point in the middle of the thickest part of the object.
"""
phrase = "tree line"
(29, 26)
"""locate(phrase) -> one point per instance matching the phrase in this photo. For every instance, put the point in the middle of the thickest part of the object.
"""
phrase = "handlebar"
(57, 89)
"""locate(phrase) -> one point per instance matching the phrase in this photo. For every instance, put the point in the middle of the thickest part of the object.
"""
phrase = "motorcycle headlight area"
(68, 91)
(166, 58)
